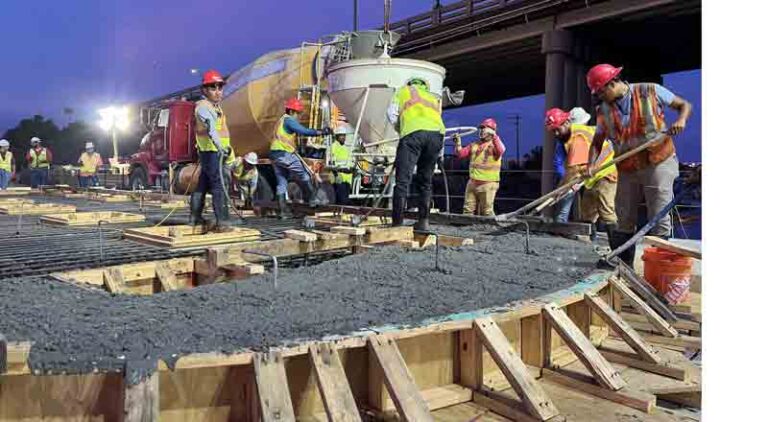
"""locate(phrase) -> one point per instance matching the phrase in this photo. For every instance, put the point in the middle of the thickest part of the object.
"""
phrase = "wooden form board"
(37, 209)
(642, 307)
(672, 247)
(109, 198)
(140, 278)
(15, 191)
(14, 202)
(141, 402)
(91, 218)
(180, 203)
(337, 395)
(274, 402)
(188, 236)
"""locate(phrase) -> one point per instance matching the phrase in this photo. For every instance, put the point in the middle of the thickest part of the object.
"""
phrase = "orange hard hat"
(555, 117)
(294, 104)
(489, 123)
(212, 77)
(600, 75)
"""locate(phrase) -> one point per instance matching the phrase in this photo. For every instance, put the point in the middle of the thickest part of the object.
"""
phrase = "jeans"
(38, 177)
(5, 179)
(422, 150)
(563, 208)
(88, 181)
(288, 166)
(342, 193)
(210, 182)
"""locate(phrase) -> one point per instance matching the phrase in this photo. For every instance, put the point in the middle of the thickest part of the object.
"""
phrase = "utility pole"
(356, 11)
(516, 118)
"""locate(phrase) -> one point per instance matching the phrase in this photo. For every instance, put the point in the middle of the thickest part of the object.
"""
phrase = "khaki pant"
(480, 197)
(654, 183)
(599, 202)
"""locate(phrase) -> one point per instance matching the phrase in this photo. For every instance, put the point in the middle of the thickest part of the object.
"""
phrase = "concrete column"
(556, 45)
(569, 84)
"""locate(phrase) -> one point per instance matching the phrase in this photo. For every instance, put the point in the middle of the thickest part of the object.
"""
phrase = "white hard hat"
(251, 158)
(579, 116)
(343, 129)
(89, 145)
(34, 140)
(4, 143)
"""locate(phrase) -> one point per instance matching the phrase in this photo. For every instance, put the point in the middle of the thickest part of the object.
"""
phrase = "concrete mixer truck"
(347, 80)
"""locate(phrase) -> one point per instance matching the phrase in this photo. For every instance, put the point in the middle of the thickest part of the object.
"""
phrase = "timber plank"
(640, 306)
(634, 399)
(335, 391)
(633, 339)
(3, 354)
(352, 231)
(113, 280)
(300, 235)
(166, 276)
(646, 291)
(272, 387)
(398, 379)
(533, 396)
(142, 401)
(666, 369)
(600, 368)
(672, 247)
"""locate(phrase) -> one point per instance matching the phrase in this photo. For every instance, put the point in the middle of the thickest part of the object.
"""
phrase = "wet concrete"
(79, 330)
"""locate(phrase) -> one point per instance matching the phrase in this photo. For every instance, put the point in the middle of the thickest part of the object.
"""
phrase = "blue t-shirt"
(664, 98)
(292, 126)
(558, 160)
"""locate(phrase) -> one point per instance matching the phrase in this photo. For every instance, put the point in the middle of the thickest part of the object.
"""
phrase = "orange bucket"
(668, 272)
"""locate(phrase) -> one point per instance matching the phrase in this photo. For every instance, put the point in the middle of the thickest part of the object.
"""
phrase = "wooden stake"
(272, 387)
(335, 391)
(536, 401)
(113, 280)
(142, 401)
(643, 308)
(166, 276)
(398, 380)
(604, 373)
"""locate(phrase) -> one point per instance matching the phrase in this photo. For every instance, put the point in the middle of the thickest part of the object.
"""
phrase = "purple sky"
(86, 54)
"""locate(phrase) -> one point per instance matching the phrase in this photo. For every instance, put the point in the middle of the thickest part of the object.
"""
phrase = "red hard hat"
(489, 123)
(554, 118)
(294, 104)
(212, 77)
(600, 75)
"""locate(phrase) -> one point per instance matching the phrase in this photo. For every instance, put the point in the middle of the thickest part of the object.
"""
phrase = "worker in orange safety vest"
(484, 168)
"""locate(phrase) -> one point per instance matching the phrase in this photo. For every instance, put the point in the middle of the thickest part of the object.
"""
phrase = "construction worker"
(598, 200)
(563, 207)
(484, 168)
(630, 115)
(7, 164)
(89, 163)
(39, 159)
(247, 175)
(416, 114)
(342, 164)
(286, 161)
(213, 150)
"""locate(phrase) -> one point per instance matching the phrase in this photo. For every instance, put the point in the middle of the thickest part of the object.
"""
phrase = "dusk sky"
(86, 54)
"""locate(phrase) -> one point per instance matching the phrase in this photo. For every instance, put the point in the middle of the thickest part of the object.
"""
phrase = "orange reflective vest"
(419, 110)
(646, 121)
(282, 140)
(483, 165)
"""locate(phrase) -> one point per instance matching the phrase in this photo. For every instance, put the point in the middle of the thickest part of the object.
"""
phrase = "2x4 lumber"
(687, 395)
(598, 366)
(681, 341)
(335, 391)
(113, 280)
(3, 354)
(142, 401)
(639, 322)
(300, 235)
(352, 231)
(672, 247)
(635, 399)
(620, 327)
(166, 276)
(536, 401)
(506, 406)
(272, 388)
(646, 291)
(665, 369)
(470, 359)
(437, 397)
(398, 379)
(642, 307)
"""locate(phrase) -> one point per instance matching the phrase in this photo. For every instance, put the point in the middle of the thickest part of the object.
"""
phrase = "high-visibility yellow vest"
(605, 155)
(419, 110)
(39, 161)
(483, 165)
(282, 140)
(89, 163)
(343, 159)
(204, 141)
(239, 171)
(6, 159)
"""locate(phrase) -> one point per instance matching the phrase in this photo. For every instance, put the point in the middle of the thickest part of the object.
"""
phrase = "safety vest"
(39, 161)
(419, 110)
(6, 159)
(204, 141)
(89, 163)
(342, 159)
(483, 165)
(600, 158)
(239, 171)
(282, 140)
(646, 121)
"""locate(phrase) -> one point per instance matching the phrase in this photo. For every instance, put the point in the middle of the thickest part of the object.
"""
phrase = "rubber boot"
(423, 222)
(285, 211)
(593, 232)
(616, 239)
(398, 208)
(196, 205)
(221, 211)
(312, 192)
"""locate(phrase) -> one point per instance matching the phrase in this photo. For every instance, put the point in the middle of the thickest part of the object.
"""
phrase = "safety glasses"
(215, 87)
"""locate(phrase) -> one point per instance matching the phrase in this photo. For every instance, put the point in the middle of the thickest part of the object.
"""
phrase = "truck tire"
(138, 179)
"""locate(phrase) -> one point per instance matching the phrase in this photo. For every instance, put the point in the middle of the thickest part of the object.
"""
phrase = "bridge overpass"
(502, 49)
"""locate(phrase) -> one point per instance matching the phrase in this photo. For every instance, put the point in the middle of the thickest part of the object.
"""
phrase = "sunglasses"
(215, 87)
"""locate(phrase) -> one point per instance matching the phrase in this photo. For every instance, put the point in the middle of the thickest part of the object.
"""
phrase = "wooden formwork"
(15, 191)
(36, 209)
(547, 359)
(184, 236)
(14, 202)
(91, 218)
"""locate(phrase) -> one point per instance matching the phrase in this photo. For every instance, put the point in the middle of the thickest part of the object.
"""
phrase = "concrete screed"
(77, 330)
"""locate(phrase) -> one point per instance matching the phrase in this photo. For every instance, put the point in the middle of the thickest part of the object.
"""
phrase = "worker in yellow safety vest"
(7, 164)
(39, 159)
(599, 196)
(285, 159)
(214, 152)
(89, 163)
(246, 176)
(484, 168)
(417, 115)
(342, 164)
